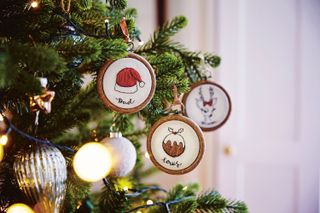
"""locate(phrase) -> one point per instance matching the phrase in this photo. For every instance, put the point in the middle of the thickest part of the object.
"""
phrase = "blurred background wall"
(268, 153)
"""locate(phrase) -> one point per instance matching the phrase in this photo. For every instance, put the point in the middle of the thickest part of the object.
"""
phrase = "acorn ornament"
(123, 153)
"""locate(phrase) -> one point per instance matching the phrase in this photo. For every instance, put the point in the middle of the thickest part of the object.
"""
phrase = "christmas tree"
(48, 111)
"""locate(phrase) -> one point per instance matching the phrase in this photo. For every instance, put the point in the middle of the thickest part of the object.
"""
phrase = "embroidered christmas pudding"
(173, 144)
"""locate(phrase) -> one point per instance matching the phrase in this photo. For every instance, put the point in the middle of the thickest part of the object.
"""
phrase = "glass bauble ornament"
(41, 173)
(123, 152)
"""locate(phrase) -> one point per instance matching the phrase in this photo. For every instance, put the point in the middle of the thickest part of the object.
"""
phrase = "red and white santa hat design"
(127, 81)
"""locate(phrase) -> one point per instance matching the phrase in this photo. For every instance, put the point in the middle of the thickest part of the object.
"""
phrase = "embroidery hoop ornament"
(208, 81)
(135, 77)
(176, 107)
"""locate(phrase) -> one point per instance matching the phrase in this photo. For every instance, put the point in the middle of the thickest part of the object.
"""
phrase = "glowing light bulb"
(1, 152)
(149, 202)
(147, 155)
(3, 139)
(19, 208)
(92, 162)
(34, 4)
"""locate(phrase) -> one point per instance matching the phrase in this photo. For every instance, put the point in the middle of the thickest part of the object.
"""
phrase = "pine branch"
(76, 190)
(118, 4)
(161, 43)
(163, 34)
(180, 191)
(111, 200)
(213, 202)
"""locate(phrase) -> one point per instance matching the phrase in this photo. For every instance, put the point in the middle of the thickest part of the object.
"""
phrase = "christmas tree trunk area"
(59, 132)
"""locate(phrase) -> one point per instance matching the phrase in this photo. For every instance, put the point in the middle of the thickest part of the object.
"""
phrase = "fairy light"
(149, 202)
(3, 139)
(147, 155)
(123, 184)
(19, 208)
(34, 4)
(185, 188)
(139, 211)
(1, 153)
(92, 162)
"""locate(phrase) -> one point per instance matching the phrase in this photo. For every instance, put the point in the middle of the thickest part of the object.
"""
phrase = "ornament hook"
(207, 73)
(176, 105)
(125, 31)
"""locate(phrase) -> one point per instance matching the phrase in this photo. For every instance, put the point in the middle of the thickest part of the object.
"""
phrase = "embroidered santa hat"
(127, 81)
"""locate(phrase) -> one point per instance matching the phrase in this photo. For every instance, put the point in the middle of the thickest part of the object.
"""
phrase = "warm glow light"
(3, 139)
(34, 4)
(1, 152)
(92, 162)
(139, 211)
(123, 184)
(19, 208)
(149, 202)
(1, 117)
(147, 155)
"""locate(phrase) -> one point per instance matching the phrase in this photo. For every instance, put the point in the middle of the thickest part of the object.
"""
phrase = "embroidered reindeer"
(207, 107)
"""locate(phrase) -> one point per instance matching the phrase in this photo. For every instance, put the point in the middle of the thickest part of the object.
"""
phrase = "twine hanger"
(177, 104)
(205, 70)
(65, 9)
(125, 31)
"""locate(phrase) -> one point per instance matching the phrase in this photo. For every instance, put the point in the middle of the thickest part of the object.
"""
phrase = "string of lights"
(164, 204)
(150, 203)
(137, 193)
(28, 137)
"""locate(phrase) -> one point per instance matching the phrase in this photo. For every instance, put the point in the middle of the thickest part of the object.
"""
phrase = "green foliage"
(193, 61)
(118, 4)
(180, 191)
(164, 64)
(7, 70)
(85, 4)
(112, 200)
(162, 35)
(212, 201)
(77, 190)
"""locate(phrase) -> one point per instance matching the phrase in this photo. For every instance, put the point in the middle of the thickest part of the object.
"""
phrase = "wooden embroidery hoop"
(194, 126)
(185, 97)
(112, 106)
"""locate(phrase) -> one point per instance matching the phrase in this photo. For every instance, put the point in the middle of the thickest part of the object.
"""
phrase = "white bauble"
(123, 153)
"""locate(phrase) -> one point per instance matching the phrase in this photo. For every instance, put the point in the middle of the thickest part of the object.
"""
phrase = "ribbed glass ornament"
(41, 173)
